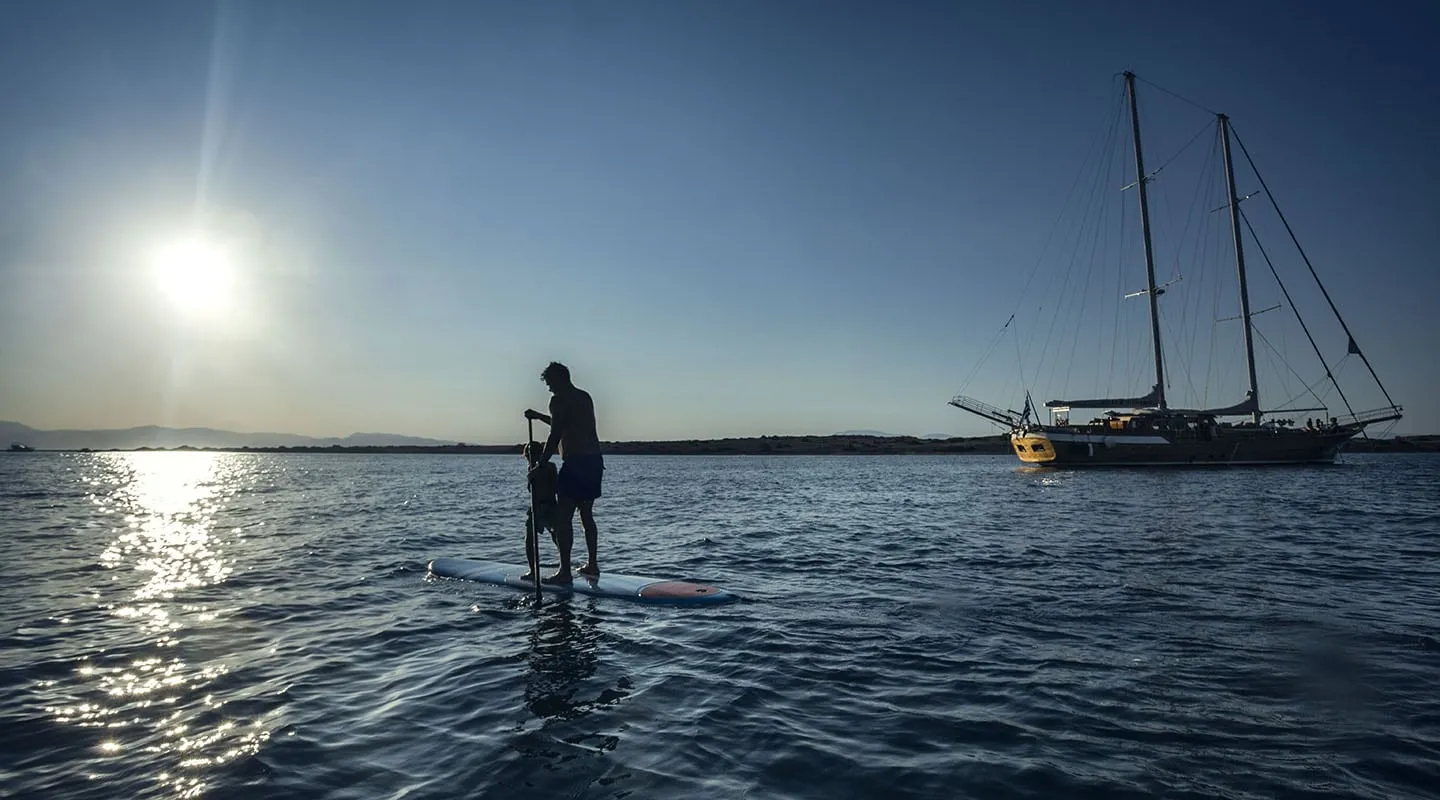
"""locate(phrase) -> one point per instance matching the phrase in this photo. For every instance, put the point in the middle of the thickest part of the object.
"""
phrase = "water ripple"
(226, 625)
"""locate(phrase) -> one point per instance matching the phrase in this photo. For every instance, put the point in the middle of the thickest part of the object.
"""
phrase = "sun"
(196, 274)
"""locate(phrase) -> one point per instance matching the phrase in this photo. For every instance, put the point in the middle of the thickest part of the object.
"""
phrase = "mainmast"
(1240, 267)
(1149, 255)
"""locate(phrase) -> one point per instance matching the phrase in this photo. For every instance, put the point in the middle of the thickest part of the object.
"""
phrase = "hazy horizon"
(728, 220)
(4, 429)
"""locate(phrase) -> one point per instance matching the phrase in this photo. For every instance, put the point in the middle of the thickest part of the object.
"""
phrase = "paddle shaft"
(534, 532)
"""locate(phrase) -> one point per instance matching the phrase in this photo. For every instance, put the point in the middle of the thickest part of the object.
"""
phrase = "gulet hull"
(1077, 447)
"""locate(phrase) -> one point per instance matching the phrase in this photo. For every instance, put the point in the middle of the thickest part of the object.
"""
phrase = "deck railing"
(1372, 416)
(993, 413)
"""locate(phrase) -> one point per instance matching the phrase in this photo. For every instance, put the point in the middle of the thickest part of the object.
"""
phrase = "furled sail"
(1246, 406)
(1147, 401)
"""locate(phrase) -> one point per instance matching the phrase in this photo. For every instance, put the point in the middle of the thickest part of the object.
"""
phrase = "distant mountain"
(156, 436)
(895, 435)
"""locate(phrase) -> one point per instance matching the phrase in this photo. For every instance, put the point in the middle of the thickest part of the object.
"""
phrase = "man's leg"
(592, 536)
(564, 538)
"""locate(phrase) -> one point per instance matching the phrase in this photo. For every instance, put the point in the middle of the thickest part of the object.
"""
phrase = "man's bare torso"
(572, 413)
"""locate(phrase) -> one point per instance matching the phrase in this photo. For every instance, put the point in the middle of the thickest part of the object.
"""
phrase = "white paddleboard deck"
(658, 591)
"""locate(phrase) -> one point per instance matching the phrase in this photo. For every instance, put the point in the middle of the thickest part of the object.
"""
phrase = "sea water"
(250, 625)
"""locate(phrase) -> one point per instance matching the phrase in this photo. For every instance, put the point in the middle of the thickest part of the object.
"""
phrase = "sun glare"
(197, 275)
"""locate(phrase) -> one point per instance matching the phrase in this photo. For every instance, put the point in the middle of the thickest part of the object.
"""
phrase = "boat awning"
(1147, 401)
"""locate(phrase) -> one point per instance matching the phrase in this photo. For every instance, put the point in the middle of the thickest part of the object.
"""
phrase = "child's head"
(532, 452)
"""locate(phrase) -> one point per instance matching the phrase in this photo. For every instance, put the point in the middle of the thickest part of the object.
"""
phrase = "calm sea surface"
(262, 626)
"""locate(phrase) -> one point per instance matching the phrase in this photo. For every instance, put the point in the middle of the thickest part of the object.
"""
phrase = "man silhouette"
(572, 434)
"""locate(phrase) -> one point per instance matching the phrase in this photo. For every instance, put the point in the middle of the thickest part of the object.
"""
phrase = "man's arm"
(556, 421)
(531, 413)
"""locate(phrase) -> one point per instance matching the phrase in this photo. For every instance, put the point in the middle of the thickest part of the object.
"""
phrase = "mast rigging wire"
(1308, 265)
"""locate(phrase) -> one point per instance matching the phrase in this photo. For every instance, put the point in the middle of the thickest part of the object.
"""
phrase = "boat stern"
(1033, 447)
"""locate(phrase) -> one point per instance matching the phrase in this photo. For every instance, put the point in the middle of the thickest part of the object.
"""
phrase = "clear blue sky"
(729, 218)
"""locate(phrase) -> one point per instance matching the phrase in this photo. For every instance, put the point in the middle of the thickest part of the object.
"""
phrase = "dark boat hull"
(1081, 447)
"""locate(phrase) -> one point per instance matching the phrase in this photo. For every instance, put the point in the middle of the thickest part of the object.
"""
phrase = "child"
(543, 482)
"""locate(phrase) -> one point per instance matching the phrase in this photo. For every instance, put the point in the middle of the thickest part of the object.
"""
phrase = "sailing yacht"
(1146, 430)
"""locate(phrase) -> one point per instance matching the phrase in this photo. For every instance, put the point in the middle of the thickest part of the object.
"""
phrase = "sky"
(728, 218)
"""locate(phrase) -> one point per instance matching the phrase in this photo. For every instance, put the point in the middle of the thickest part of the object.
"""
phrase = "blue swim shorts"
(580, 477)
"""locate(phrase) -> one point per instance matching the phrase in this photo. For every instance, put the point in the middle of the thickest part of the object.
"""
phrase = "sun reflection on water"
(157, 694)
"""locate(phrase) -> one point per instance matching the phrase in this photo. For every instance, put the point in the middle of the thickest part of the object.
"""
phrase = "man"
(572, 432)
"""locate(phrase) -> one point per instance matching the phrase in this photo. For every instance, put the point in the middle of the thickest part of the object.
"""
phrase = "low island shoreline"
(753, 446)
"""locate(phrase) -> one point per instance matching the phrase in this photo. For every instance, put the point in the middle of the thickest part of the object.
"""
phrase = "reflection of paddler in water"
(562, 656)
(567, 753)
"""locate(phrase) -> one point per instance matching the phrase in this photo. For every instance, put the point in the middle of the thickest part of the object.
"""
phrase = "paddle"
(533, 532)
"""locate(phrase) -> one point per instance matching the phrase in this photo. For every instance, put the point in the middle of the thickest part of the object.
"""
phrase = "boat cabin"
(1170, 423)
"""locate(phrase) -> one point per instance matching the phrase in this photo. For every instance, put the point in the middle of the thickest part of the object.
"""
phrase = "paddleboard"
(656, 591)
